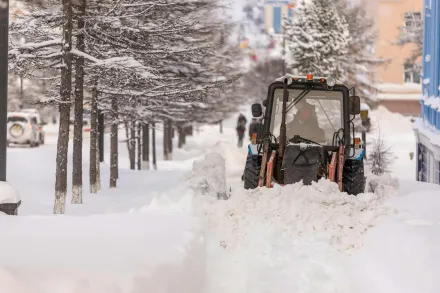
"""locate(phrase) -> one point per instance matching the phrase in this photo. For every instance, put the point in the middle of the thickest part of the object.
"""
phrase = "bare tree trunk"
(139, 145)
(64, 109)
(170, 140)
(153, 142)
(114, 145)
(21, 89)
(221, 126)
(77, 183)
(127, 136)
(132, 154)
(146, 146)
(181, 134)
(98, 165)
(189, 130)
(165, 141)
(94, 139)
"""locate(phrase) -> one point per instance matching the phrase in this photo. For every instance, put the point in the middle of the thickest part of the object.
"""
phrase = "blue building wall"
(428, 151)
(431, 64)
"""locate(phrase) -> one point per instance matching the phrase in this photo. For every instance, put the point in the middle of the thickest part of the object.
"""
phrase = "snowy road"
(295, 239)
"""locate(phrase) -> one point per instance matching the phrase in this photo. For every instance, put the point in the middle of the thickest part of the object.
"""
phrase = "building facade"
(427, 128)
(274, 11)
(398, 82)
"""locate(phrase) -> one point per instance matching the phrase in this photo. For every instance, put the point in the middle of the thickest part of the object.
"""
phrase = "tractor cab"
(308, 134)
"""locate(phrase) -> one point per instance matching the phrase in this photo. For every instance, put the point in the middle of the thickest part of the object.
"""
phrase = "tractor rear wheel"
(353, 178)
(252, 172)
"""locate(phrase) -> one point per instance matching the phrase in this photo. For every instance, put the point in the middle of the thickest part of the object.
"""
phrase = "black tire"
(252, 172)
(353, 178)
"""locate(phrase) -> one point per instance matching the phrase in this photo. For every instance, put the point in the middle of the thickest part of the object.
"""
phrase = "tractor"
(307, 134)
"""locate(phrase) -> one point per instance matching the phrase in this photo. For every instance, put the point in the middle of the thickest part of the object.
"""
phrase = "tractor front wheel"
(353, 178)
(252, 172)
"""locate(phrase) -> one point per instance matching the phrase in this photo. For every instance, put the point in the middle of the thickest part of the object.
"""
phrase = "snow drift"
(290, 237)
(134, 253)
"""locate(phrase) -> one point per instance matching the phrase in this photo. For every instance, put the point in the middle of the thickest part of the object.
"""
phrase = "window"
(413, 19)
(412, 75)
(423, 163)
(277, 19)
(437, 173)
(316, 117)
(17, 119)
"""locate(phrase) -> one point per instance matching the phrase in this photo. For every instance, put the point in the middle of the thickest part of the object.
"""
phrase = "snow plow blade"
(301, 162)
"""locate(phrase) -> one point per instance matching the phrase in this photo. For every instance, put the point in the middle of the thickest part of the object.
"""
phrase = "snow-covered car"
(22, 128)
(34, 113)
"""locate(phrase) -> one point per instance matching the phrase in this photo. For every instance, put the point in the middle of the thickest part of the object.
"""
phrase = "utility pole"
(4, 31)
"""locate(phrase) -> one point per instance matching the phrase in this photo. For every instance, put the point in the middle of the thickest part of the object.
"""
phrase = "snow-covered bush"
(380, 157)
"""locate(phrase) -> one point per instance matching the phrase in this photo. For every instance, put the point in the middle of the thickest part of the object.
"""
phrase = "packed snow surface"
(134, 252)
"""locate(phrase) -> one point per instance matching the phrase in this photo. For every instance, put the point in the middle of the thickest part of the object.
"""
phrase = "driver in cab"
(305, 124)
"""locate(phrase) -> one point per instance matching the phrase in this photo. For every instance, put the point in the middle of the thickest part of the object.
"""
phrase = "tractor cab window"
(317, 116)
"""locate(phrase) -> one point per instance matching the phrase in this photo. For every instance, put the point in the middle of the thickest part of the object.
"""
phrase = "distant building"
(274, 10)
(399, 84)
(427, 128)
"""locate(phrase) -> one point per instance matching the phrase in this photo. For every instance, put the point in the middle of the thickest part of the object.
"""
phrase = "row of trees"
(142, 63)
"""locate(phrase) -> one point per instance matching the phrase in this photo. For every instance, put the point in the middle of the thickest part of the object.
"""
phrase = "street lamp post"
(4, 24)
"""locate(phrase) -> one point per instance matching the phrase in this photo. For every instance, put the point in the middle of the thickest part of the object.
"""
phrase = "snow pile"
(120, 253)
(209, 176)
(319, 211)
(8, 194)
(382, 184)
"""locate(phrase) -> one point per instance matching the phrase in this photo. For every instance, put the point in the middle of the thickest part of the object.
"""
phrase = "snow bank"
(138, 252)
(319, 210)
(287, 238)
(403, 253)
(8, 194)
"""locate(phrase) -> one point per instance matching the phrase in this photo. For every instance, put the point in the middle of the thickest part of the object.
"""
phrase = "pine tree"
(318, 39)
(360, 62)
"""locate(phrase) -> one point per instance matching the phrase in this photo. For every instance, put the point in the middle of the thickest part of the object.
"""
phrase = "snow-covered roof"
(399, 88)
(22, 114)
(398, 97)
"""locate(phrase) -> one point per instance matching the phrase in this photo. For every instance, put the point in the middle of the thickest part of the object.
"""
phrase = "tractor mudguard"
(301, 162)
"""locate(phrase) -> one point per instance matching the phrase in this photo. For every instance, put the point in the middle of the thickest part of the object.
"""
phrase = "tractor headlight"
(331, 81)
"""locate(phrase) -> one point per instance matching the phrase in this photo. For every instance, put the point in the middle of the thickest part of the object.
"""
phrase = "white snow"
(394, 88)
(427, 130)
(8, 194)
(166, 231)
(432, 101)
(400, 97)
(365, 107)
(137, 252)
(209, 177)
